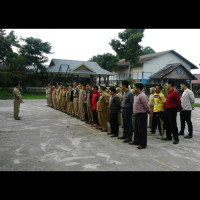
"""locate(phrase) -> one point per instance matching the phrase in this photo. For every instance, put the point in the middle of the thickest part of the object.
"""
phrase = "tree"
(129, 49)
(33, 50)
(146, 50)
(106, 61)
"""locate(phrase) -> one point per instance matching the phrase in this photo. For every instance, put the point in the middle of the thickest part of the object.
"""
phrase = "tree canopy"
(106, 61)
(30, 51)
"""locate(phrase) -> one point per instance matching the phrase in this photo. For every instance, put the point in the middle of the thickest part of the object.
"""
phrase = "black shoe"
(175, 142)
(188, 136)
(166, 138)
(133, 143)
(18, 118)
(104, 130)
(122, 137)
(181, 133)
(127, 140)
(113, 136)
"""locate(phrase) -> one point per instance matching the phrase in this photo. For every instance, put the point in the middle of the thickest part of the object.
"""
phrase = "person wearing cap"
(102, 108)
(17, 100)
(172, 105)
(187, 101)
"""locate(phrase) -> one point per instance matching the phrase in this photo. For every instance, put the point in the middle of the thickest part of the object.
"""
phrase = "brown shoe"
(140, 147)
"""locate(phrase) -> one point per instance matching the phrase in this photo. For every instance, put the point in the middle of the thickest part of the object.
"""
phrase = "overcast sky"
(82, 44)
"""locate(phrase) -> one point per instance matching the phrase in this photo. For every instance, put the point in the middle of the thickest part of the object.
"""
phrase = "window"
(179, 72)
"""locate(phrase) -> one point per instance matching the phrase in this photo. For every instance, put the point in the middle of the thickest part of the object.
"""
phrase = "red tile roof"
(198, 77)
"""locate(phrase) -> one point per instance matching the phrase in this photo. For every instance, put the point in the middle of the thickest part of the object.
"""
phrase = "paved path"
(48, 140)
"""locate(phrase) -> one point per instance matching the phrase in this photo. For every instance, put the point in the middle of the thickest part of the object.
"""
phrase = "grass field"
(6, 94)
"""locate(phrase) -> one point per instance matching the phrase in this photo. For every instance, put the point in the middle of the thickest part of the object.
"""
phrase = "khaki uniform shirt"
(16, 94)
(80, 99)
(76, 93)
(88, 101)
(54, 94)
(102, 104)
(67, 96)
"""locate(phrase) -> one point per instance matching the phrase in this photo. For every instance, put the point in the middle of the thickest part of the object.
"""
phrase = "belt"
(64, 96)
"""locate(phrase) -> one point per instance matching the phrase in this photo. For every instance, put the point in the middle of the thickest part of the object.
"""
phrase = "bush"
(117, 84)
(129, 79)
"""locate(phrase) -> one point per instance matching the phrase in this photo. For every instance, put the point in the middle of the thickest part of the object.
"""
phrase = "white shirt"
(187, 99)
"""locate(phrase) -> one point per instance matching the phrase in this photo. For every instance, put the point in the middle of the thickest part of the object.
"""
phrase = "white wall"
(158, 63)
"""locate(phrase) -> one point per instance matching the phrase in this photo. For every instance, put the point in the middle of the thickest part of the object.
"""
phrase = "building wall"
(179, 73)
(158, 63)
(150, 67)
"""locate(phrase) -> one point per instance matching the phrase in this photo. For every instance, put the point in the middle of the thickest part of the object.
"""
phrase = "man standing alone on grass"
(172, 105)
(127, 110)
(140, 109)
(17, 101)
(187, 100)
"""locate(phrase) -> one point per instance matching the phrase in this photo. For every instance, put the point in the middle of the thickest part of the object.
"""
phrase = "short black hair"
(125, 83)
(171, 83)
(139, 85)
(113, 89)
(95, 87)
(103, 88)
(185, 83)
(160, 86)
(84, 84)
(17, 83)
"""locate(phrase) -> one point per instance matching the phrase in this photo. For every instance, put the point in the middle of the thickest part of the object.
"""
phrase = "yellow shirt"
(159, 100)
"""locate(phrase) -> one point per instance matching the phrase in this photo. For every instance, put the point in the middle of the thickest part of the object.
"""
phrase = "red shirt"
(95, 98)
(173, 99)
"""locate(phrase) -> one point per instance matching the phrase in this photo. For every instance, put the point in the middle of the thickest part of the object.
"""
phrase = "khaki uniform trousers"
(90, 114)
(82, 111)
(63, 104)
(54, 103)
(151, 116)
(16, 108)
(71, 108)
(76, 107)
(103, 119)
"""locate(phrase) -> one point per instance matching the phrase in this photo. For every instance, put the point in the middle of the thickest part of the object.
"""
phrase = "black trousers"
(170, 115)
(95, 116)
(114, 123)
(127, 122)
(156, 121)
(140, 136)
(185, 116)
(86, 114)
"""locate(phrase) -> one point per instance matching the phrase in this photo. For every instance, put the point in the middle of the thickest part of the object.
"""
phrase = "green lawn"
(196, 105)
(6, 94)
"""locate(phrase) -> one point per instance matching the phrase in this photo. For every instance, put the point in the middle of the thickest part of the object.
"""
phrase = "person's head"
(138, 88)
(118, 90)
(102, 89)
(112, 90)
(184, 85)
(17, 85)
(53, 87)
(152, 90)
(170, 85)
(84, 86)
(95, 88)
(74, 85)
(49, 85)
(88, 87)
(125, 85)
(70, 87)
(158, 89)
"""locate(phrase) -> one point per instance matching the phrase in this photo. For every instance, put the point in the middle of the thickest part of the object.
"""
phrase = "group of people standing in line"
(98, 105)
